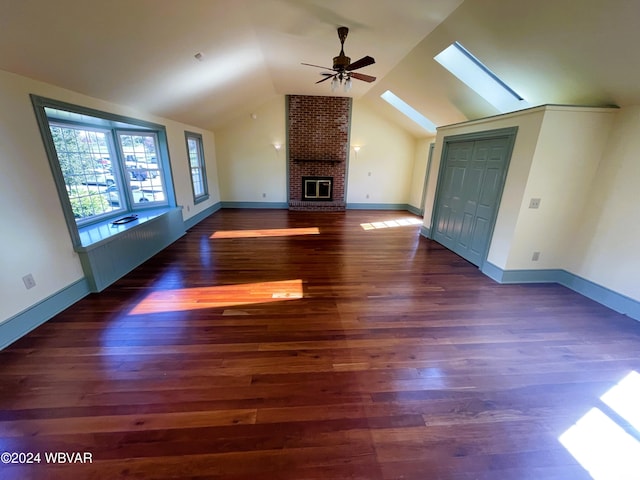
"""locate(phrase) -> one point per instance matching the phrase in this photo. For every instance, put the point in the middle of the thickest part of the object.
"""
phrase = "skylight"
(471, 71)
(409, 111)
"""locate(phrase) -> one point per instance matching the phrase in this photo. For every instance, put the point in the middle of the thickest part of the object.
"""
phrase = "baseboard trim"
(350, 206)
(603, 295)
(198, 217)
(414, 210)
(378, 206)
(425, 232)
(19, 325)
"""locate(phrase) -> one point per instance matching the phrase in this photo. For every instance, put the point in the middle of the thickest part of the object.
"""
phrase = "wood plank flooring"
(268, 344)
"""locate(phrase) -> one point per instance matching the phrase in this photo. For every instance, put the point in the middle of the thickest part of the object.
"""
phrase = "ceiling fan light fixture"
(347, 85)
(334, 84)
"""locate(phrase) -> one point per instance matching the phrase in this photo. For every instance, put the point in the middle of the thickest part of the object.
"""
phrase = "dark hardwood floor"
(267, 344)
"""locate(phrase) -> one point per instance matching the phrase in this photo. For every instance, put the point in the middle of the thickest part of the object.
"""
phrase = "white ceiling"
(140, 53)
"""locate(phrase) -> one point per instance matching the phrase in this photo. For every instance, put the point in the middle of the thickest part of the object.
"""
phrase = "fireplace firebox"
(317, 188)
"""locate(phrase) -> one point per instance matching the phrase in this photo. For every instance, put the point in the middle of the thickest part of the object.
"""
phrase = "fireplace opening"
(317, 188)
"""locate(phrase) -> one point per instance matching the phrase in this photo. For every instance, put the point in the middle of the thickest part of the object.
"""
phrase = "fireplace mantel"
(307, 160)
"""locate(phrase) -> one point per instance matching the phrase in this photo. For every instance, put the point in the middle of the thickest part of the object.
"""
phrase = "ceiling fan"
(343, 69)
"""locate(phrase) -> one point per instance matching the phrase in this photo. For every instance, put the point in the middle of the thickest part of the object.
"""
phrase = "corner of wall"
(602, 295)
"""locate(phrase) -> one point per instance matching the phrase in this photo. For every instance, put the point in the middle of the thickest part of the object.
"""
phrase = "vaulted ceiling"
(141, 53)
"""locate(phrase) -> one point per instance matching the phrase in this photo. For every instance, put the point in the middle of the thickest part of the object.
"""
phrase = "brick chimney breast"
(318, 135)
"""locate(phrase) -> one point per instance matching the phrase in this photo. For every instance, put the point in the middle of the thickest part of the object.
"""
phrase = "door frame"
(510, 134)
(423, 200)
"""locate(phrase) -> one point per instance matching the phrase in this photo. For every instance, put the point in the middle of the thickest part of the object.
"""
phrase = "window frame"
(201, 166)
(101, 120)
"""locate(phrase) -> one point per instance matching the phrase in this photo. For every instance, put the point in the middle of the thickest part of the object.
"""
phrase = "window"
(196, 164)
(104, 165)
(471, 71)
(85, 160)
(408, 111)
(143, 172)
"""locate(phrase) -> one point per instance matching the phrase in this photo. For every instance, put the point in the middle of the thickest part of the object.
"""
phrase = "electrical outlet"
(29, 281)
(264, 195)
(534, 203)
(535, 257)
(367, 196)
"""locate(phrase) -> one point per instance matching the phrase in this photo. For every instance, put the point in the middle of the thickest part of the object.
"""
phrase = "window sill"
(98, 234)
(201, 199)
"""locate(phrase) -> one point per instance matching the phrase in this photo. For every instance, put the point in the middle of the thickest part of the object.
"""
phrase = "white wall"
(381, 172)
(181, 170)
(606, 246)
(34, 235)
(570, 145)
(249, 167)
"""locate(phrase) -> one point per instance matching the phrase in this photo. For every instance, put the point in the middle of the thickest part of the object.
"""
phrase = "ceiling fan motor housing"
(341, 62)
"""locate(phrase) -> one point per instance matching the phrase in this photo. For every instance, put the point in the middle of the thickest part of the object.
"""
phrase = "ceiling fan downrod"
(341, 62)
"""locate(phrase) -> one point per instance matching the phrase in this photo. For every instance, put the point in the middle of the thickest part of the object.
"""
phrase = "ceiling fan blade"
(325, 78)
(362, 76)
(363, 62)
(318, 66)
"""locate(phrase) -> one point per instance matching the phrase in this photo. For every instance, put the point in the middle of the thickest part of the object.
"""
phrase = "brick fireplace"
(318, 135)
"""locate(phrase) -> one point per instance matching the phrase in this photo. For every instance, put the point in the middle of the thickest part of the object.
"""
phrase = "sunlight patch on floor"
(219, 296)
(269, 232)
(624, 398)
(600, 444)
(400, 222)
